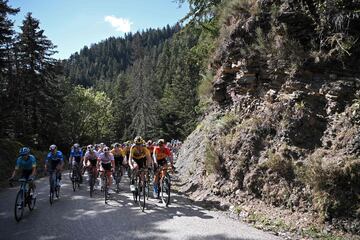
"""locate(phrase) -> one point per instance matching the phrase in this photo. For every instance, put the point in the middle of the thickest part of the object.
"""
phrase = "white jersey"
(89, 155)
(106, 159)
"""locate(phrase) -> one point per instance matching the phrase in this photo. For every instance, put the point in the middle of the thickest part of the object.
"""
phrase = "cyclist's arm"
(112, 161)
(149, 158)
(154, 157)
(130, 159)
(33, 167)
(61, 158)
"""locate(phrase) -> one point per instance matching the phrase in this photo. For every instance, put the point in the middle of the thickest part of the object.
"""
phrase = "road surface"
(77, 216)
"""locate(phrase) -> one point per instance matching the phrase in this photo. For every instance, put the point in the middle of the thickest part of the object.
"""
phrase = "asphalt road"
(77, 216)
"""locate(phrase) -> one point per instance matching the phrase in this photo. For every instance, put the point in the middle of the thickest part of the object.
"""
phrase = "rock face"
(288, 139)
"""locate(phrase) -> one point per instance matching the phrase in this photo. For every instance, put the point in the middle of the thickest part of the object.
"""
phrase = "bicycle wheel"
(142, 194)
(147, 186)
(118, 179)
(31, 199)
(52, 189)
(74, 179)
(92, 183)
(165, 190)
(134, 181)
(106, 189)
(57, 191)
(19, 206)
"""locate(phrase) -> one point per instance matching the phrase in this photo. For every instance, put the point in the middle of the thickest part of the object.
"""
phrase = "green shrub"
(212, 163)
(336, 186)
(226, 122)
(283, 166)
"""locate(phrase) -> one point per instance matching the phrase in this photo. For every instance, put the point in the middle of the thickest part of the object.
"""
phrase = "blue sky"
(72, 24)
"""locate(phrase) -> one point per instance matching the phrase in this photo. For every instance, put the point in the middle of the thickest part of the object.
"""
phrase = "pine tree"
(37, 72)
(7, 79)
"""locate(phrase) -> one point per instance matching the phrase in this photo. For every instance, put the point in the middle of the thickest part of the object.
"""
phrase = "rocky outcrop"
(288, 137)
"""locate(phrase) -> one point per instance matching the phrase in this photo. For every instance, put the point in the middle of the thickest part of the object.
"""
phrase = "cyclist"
(139, 156)
(75, 159)
(161, 154)
(119, 156)
(101, 147)
(150, 146)
(54, 160)
(90, 160)
(107, 163)
(27, 163)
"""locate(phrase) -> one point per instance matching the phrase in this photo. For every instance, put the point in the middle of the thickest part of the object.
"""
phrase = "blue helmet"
(24, 150)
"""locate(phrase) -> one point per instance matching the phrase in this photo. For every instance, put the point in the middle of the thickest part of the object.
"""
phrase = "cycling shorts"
(26, 173)
(162, 162)
(141, 162)
(54, 164)
(106, 166)
(93, 162)
(77, 159)
(118, 160)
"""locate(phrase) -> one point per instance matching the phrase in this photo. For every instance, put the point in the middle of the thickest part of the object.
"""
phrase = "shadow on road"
(77, 216)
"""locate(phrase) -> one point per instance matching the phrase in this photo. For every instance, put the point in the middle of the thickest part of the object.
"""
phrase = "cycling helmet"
(90, 148)
(76, 145)
(138, 140)
(116, 144)
(24, 150)
(149, 142)
(52, 147)
(106, 149)
(161, 141)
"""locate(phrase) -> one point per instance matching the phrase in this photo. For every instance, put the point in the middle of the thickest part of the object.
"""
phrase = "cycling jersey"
(162, 153)
(54, 157)
(106, 159)
(76, 152)
(89, 155)
(92, 157)
(127, 151)
(139, 152)
(118, 152)
(23, 164)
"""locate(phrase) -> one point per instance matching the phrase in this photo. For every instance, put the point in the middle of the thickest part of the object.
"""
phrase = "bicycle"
(165, 185)
(25, 196)
(74, 176)
(92, 178)
(141, 188)
(54, 185)
(117, 177)
(105, 187)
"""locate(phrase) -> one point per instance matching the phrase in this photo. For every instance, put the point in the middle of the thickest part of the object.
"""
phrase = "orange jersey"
(162, 153)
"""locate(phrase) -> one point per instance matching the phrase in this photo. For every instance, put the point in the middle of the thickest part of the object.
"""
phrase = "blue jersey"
(53, 157)
(25, 164)
(76, 153)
